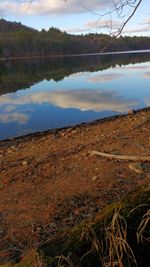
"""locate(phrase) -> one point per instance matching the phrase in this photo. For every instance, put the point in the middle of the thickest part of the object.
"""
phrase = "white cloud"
(2, 13)
(146, 75)
(147, 21)
(102, 23)
(53, 7)
(20, 118)
(97, 24)
(144, 26)
(10, 108)
(137, 30)
(101, 78)
(84, 99)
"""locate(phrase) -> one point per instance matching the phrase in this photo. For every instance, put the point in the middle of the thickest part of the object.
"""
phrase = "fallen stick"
(122, 157)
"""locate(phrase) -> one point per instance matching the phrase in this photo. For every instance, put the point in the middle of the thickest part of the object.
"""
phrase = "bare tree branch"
(120, 157)
(123, 26)
(119, 8)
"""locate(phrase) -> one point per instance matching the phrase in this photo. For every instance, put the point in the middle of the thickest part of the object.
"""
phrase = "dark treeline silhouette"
(19, 74)
(17, 40)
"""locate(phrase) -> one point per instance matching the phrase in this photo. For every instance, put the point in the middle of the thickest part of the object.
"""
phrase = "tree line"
(17, 40)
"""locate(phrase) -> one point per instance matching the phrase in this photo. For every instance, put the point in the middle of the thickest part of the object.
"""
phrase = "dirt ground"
(50, 181)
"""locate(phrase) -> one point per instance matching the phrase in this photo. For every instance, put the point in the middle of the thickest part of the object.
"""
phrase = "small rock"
(40, 158)
(137, 167)
(131, 111)
(76, 212)
(94, 178)
(74, 131)
(25, 163)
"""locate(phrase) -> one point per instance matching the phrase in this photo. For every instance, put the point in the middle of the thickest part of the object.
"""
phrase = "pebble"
(131, 111)
(63, 134)
(25, 163)
(74, 131)
(40, 158)
(94, 178)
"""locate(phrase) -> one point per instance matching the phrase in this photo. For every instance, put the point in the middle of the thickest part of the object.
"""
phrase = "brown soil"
(49, 181)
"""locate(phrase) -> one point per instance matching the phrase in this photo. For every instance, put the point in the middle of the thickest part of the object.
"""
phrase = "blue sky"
(76, 16)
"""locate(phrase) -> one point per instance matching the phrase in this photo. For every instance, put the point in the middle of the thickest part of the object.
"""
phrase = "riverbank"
(50, 181)
(75, 55)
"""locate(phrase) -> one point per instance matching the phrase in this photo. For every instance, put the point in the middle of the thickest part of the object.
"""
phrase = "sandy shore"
(49, 181)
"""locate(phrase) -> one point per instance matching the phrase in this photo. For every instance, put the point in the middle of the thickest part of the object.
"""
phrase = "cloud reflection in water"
(105, 77)
(20, 118)
(84, 99)
(146, 75)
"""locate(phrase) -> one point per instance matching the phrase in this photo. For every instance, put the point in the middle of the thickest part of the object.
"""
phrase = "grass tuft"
(119, 236)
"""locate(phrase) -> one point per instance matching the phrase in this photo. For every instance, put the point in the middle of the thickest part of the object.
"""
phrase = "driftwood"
(120, 157)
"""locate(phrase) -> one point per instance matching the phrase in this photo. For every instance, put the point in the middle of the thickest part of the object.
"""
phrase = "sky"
(77, 16)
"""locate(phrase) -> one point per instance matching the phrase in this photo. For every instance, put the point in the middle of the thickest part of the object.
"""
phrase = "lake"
(37, 95)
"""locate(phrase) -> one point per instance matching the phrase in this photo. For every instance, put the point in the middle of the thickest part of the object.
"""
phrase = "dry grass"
(141, 231)
(113, 239)
(113, 248)
(63, 261)
(117, 243)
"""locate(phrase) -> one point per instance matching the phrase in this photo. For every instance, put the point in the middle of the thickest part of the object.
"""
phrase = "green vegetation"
(17, 40)
(117, 236)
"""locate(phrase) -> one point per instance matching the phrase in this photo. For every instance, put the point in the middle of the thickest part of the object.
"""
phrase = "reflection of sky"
(126, 79)
(20, 118)
(82, 99)
(77, 98)
(146, 75)
(102, 78)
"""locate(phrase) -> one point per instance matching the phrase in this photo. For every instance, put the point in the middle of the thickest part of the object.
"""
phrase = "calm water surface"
(39, 95)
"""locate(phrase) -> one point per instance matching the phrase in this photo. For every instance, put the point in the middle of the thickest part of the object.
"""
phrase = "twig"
(122, 27)
(121, 157)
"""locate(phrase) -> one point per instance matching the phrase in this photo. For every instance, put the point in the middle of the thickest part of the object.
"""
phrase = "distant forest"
(17, 40)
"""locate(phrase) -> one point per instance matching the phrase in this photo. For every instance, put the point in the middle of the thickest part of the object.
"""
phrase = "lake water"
(37, 95)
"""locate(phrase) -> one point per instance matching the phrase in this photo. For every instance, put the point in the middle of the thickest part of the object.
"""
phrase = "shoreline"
(80, 125)
(75, 55)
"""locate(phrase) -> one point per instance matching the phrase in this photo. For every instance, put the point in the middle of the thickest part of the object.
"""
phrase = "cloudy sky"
(77, 16)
